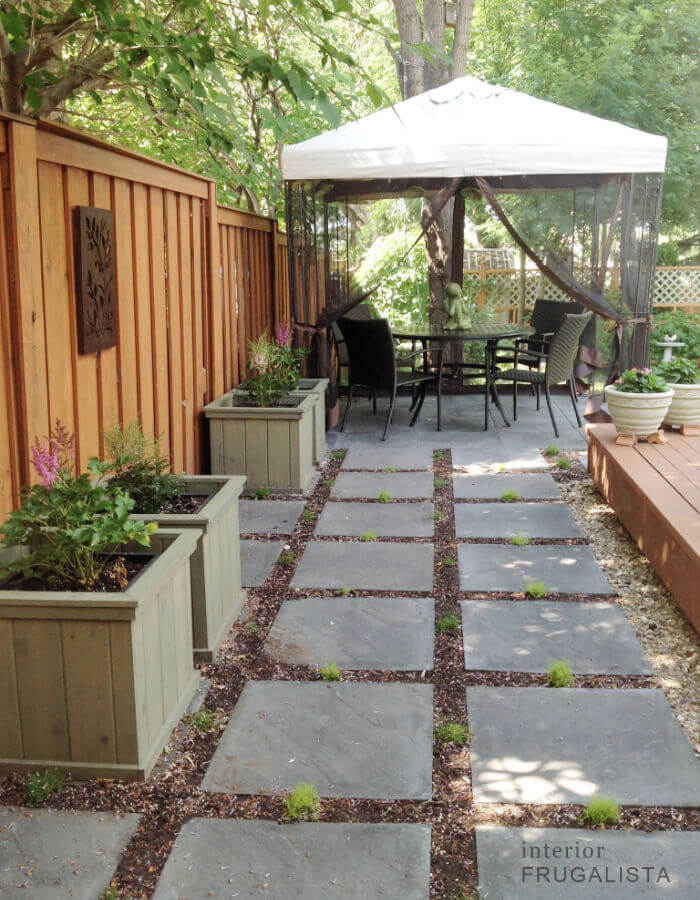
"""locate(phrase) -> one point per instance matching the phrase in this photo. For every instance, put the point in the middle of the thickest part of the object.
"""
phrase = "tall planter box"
(94, 683)
(215, 566)
(272, 446)
(317, 387)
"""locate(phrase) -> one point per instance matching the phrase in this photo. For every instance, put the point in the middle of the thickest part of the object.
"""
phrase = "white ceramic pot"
(639, 414)
(685, 406)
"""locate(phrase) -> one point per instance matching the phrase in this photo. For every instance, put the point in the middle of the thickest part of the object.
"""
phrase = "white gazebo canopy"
(470, 128)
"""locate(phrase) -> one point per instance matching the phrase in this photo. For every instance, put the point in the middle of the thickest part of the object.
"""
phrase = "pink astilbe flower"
(284, 335)
(54, 458)
(46, 463)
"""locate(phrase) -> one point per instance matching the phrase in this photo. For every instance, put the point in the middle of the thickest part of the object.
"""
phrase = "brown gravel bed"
(521, 595)
(562, 542)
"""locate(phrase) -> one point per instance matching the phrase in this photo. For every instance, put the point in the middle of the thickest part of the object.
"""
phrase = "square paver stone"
(309, 860)
(537, 486)
(269, 516)
(563, 745)
(257, 560)
(476, 458)
(367, 485)
(48, 853)
(504, 567)
(365, 566)
(519, 862)
(497, 520)
(526, 636)
(373, 458)
(347, 739)
(384, 519)
(355, 632)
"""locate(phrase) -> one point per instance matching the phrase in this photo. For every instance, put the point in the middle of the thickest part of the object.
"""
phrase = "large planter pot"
(637, 414)
(94, 683)
(272, 446)
(215, 566)
(317, 387)
(685, 406)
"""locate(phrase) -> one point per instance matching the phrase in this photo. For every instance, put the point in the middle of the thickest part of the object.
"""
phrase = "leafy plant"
(564, 464)
(40, 785)
(679, 370)
(261, 493)
(451, 733)
(330, 672)
(287, 558)
(338, 455)
(308, 516)
(441, 482)
(438, 516)
(448, 622)
(328, 482)
(601, 811)
(536, 589)
(203, 721)
(640, 381)
(303, 802)
(438, 454)
(345, 592)
(251, 628)
(448, 561)
(520, 540)
(560, 673)
(510, 495)
(389, 469)
(140, 469)
(552, 450)
(384, 497)
(275, 367)
(684, 325)
(368, 536)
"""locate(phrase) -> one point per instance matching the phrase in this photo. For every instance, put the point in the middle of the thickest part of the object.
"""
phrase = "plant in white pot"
(638, 402)
(683, 375)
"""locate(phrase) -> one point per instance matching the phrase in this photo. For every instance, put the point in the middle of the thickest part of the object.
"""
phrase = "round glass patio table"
(488, 332)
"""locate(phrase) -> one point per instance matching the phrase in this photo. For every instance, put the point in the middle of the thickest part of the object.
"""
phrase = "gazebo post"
(457, 265)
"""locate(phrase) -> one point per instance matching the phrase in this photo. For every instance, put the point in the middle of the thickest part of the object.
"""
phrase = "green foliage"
(330, 672)
(328, 482)
(389, 469)
(451, 733)
(110, 893)
(203, 721)
(559, 673)
(552, 450)
(140, 469)
(275, 367)
(640, 381)
(564, 464)
(303, 802)
(520, 540)
(441, 482)
(287, 558)
(448, 561)
(536, 589)
(510, 496)
(345, 592)
(438, 516)
(338, 455)
(448, 622)
(438, 454)
(251, 628)
(679, 370)
(384, 497)
(667, 254)
(308, 516)
(601, 811)
(686, 327)
(368, 536)
(41, 785)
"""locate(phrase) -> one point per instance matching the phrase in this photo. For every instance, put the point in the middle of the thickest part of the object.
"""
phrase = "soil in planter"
(116, 576)
(185, 504)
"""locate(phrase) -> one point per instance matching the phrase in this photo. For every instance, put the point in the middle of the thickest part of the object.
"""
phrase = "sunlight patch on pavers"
(536, 486)
(477, 457)
(47, 853)
(564, 745)
(525, 636)
(309, 860)
(354, 632)
(367, 485)
(523, 863)
(374, 458)
(384, 519)
(370, 566)
(349, 740)
(269, 516)
(257, 560)
(504, 567)
(503, 520)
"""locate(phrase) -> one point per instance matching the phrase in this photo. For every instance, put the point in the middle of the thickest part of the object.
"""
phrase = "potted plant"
(683, 375)
(206, 503)
(265, 429)
(95, 625)
(637, 403)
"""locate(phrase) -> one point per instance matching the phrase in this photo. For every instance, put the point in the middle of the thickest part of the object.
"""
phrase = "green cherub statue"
(456, 307)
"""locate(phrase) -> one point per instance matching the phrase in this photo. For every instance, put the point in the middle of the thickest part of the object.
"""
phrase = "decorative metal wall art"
(95, 281)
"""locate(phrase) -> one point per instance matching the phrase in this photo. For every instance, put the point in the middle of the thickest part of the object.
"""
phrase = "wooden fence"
(195, 281)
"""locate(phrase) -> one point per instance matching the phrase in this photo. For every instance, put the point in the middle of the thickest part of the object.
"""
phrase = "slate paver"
(535, 486)
(257, 560)
(355, 632)
(476, 456)
(525, 636)
(365, 566)
(367, 485)
(503, 520)
(384, 519)
(347, 739)
(47, 853)
(313, 860)
(504, 873)
(372, 458)
(505, 567)
(564, 745)
(269, 516)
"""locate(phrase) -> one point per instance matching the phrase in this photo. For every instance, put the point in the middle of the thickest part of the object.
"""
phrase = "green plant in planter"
(679, 370)
(303, 802)
(140, 469)
(40, 785)
(640, 381)
(560, 673)
(601, 811)
(275, 367)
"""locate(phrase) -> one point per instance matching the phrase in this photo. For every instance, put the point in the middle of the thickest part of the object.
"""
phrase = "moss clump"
(601, 811)
(448, 622)
(303, 802)
(384, 496)
(330, 672)
(536, 589)
(559, 673)
(41, 785)
(510, 496)
(520, 540)
(451, 733)
(368, 536)
(552, 450)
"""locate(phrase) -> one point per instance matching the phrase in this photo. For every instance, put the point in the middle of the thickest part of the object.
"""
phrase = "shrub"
(679, 370)
(564, 464)
(308, 516)
(510, 495)
(684, 325)
(303, 802)
(559, 673)
(140, 469)
(41, 785)
(287, 559)
(368, 536)
(451, 733)
(551, 450)
(330, 672)
(203, 721)
(601, 811)
(640, 381)
(384, 497)
(520, 540)
(261, 493)
(448, 622)
(274, 366)
(536, 589)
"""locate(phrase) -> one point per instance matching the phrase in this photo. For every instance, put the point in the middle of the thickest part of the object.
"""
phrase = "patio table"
(488, 332)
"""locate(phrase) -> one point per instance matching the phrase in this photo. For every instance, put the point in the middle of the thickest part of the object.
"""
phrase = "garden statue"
(456, 308)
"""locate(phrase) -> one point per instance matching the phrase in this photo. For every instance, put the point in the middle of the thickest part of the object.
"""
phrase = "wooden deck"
(655, 491)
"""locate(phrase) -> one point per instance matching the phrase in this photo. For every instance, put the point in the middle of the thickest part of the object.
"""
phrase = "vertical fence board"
(10, 473)
(127, 352)
(173, 330)
(186, 317)
(159, 325)
(141, 261)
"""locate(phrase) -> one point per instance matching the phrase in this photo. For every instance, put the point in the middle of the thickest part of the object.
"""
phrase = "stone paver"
(374, 459)
(585, 864)
(503, 520)
(347, 739)
(367, 485)
(536, 486)
(355, 632)
(525, 636)
(384, 519)
(257, 560)
(269, 516)
(310, 860)
(47, 853)
(365, 566)
(564, 745)
(478, 457)
(504, 567)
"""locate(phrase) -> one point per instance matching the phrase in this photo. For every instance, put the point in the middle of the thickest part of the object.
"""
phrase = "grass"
(368, 536)
(438, 516)
(389, 469)
(563, 463)
(520, 539)
(438, 454)
(536, 589)
(330, 672)
(41, 785)
(448, 622)
(448, 561)
(287, 559)
(308, 516)
(559, 673)
(552, 450)
(451, 733)
(303, 802)
(203, 721)
(338, 454)
(441, 482)
(384, 496)
(328, 482)
(260, 493)
(601, 811)
(510, 495)
(251, 628)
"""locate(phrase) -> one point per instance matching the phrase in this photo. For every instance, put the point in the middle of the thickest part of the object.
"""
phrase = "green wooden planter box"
(94, 683)
(272, 446)
(317, 387)
(215, 566)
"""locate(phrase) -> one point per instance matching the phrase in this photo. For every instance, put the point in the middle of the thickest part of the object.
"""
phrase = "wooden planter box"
(94, 683)
(272, 446)
(215, 566)
(317, 387)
